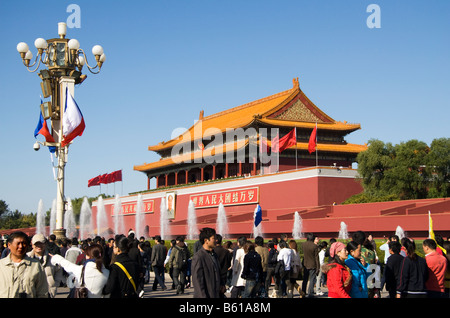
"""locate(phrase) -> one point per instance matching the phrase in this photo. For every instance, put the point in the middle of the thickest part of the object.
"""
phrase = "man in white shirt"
(285, 254)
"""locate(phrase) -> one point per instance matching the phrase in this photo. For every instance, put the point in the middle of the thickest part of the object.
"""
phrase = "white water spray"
(222, 223)
(69, 221)
(139, 217)
(119, 226)
(298, 226)
(163, 219)
(102, 221)
(40, 219)
(343, 232)
(192, 222)
(86, 226)
(53, 217)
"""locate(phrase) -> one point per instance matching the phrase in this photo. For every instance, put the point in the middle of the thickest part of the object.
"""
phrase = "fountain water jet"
(139, 217)
(119, 226)
(298, 227)
(53, 217)
(163, 219)
(192, 222)
(69, 221)
(40, 219)
(343, 232)
(86, 226)
(102, 221)
(222, 223)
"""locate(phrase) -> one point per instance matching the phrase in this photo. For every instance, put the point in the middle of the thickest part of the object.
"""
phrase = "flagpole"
(317, 158)
(296, 164)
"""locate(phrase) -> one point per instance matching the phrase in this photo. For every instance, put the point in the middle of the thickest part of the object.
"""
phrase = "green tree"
(3, 208)
(409, 170)
(408, 176)
(438, 166)
(373, 164)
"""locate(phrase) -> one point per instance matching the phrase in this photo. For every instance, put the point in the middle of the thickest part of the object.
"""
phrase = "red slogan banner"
(231, 197)
(130, 208)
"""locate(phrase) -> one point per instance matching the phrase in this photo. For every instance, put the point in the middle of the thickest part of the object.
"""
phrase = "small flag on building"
(313, 140)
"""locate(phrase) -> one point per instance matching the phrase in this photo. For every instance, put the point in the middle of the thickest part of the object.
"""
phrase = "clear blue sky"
(167, 60)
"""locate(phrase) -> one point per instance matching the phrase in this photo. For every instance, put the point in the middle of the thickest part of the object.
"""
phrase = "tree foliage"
(409, 170)
(14, 219)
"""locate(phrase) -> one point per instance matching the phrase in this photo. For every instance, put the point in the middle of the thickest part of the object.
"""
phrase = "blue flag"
(258, 215)
(42, 129)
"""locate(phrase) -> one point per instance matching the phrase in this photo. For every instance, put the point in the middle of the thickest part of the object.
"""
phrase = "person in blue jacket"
(358, 268)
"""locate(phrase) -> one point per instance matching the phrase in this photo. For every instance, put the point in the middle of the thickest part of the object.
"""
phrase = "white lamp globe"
(73, 44)
(102, 58)
(81, 60)
(40, 43)
(97, 50)
(22, 47)
(29, 55)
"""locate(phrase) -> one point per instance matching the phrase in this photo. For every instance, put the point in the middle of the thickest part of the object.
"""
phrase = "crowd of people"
(280, 267)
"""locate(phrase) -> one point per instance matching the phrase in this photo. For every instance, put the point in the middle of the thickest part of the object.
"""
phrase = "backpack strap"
(82, 275)
(126, 273)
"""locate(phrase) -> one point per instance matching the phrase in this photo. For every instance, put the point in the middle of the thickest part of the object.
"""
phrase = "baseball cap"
(38, 238)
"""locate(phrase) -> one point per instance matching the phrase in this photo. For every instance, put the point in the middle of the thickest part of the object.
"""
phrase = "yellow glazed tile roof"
(233, 118)
(192, 156)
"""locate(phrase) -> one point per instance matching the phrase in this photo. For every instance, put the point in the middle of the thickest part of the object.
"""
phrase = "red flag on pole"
(288, 140)
(312, 140)
(116, 176)
(94, 181)
(103, 178)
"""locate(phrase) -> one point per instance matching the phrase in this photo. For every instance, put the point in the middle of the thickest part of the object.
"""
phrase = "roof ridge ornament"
(295, 82)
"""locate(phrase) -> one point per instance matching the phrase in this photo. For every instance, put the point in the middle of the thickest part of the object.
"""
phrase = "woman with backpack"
(178, 263)
(271, 264)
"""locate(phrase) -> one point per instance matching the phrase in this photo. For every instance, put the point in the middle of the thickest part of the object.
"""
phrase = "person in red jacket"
(339, 276)
(437, 265)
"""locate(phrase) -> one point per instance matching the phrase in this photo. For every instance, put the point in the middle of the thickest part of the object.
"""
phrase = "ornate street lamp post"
(64, 61)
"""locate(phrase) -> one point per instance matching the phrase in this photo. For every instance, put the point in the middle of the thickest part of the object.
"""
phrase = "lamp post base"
(60, 233)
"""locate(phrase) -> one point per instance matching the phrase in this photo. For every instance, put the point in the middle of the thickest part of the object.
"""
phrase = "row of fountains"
(87, 228)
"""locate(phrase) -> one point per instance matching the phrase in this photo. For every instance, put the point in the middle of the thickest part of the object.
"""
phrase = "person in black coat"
(392, 269)
(271, 264)
(157, 259)
(206, 268)
(119, 285)
(252, 271)
(225, 257)
(413, 273)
